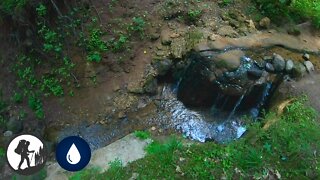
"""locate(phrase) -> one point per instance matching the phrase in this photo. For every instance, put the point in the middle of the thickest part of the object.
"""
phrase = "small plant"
(142, 134)
(172, 144)
(95, 45)
(17, 97)
(138, 24)
(2, 152)
(193, 16)
(119, 44)
(225, 2)
(36, 105)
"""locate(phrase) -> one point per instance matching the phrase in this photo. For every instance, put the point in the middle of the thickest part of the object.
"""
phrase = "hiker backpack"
(20, 146)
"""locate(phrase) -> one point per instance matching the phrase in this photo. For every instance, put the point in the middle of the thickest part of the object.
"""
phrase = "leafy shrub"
(95, 45)
(138, 24)
(294, 10)
(36, 105)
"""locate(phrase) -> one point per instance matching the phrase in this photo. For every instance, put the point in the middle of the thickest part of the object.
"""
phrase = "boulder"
(309, 66)
(269, 67)
(278, 63)
(299, 70)
(289, 66)
(229, 60)
(306, 56)
(265, 23)
(162, 66)
(165, 37)
(178, 48)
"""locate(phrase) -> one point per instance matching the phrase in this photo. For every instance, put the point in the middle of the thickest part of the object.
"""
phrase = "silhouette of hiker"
(24, 152)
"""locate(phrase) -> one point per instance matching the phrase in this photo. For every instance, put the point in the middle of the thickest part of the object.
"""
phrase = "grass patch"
(286, 149)
(142, 134)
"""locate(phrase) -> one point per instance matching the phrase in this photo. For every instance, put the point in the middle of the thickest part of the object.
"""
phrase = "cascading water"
(222, 121)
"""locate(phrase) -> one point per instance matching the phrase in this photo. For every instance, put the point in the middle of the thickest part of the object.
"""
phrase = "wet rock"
(306, 57)
(299, 70)
(289, 65)
(309, 66)
(150, 85)
(15, 125)
(196, 88)
(162, 66)
(178, 48)
(227, 31)
(229, 60)
(165, 37)
(255, 73)
(278, 63)
(265, 23)
(8, 134)
(269, 67)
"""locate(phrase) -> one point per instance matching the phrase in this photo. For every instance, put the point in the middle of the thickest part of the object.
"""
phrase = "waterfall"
(236, 106)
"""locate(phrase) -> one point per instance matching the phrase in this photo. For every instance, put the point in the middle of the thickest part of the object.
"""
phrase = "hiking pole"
(32, 158)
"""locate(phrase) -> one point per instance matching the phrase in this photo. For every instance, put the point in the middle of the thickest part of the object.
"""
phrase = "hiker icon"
(26, 154)
(23, 151)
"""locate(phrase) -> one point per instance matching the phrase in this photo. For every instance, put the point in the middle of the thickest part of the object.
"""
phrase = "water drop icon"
(73, 155)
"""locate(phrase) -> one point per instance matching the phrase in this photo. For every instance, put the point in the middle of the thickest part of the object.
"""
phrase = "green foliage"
(36, 105)
(52, 85)
(295, 10)
(138, 24)
(2, 152)
(95, 45)
(170, 146)
(142, 134)
(11, 6)
(41, 10)
(17, 97)
(120, 44)
(287, 148)
(193, 16)
(85, 174)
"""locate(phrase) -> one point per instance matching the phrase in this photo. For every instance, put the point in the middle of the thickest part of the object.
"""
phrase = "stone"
(269, 67)
(299, 70)
(309, 66)
(154, 36)
(178, 48)
(255, 73)
(165, 37)
(289, 65)
(121, 115)
(229, 60)
(135, 87)
(278, 63)
(265, 23)
(213, 37)
(150, 85)
(306, 56)
(227, 31)
(15, 125)
(162, 66)
(7, 133)
(267, 58)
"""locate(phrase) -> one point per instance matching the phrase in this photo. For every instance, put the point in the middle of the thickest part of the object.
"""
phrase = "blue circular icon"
(73, 153)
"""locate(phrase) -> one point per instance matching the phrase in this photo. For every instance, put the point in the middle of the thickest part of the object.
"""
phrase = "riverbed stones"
(306, 56)
(309, 66)
(289, 65)
(278, 63)
(269, 67)
(255, 73)
(265, 23)
(299, 70)
(162, 66)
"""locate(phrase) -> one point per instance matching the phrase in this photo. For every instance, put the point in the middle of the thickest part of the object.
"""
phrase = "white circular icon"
(26, 154)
